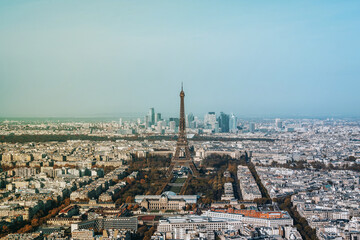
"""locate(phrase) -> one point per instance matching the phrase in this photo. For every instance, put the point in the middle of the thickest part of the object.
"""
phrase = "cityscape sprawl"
(234, 179)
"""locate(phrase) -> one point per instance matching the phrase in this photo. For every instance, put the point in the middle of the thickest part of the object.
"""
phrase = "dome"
(168, 193)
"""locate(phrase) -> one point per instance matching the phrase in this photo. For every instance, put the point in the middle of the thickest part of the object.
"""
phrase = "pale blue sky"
(253, 58)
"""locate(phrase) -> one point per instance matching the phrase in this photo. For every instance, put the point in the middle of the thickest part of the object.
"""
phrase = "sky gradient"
(252, 58)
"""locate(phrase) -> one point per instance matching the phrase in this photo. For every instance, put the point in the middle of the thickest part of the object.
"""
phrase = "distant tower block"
(182, 156)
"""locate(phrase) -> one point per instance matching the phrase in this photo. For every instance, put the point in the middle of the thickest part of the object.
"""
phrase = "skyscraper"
(176, 120)
(189, 120)
(233, 123)
(224, 122)
(147, 121)
(157, 117)
(172, 125)
(210, 120)
(152, 116)
(159, 126)
(278, 123)
(252, 127)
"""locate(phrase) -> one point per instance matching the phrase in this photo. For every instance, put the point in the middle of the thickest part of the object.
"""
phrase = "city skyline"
(255, 59)
(99, 142)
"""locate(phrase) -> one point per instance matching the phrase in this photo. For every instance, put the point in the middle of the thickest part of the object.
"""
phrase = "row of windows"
(156, 204)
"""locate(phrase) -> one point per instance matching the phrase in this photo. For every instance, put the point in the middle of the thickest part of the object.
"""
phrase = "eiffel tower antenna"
(182, 153)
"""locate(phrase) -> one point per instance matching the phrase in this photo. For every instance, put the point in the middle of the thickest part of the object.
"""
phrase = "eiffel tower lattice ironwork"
(182, 155)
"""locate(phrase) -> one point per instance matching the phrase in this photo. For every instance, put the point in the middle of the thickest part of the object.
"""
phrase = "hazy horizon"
(166, 116)
(251, 58)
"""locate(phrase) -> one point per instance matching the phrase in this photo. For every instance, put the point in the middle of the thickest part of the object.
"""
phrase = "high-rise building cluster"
(224, 123)
(212, 123)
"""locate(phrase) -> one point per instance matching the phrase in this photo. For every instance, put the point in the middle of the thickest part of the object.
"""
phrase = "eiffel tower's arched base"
(183, 163)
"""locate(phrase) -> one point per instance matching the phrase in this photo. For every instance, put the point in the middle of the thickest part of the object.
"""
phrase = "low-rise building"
(165, 201)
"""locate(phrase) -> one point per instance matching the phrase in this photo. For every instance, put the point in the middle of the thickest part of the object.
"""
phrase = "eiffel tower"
(182, 153)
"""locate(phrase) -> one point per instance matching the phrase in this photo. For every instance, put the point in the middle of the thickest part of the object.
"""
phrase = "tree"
(53, 212)
(232, 168)
(35, 222)
(136, 207)
(261, 200)
(130, 180)
(5, 229)
(206, 200)
(141, 230)
(118, 202)
(129, 199)
(67, 201)
(308, 230)
(25, 229)
(149, 233)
